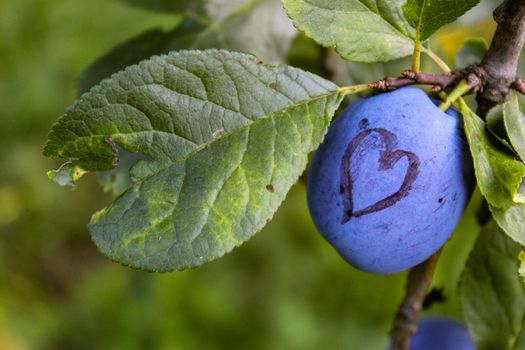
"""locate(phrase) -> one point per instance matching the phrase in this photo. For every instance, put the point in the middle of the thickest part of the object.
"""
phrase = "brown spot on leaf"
(272, 85)
(270, 188)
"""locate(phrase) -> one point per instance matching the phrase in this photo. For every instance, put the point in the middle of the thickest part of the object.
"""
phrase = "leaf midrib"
(420, 21)
(260, 120)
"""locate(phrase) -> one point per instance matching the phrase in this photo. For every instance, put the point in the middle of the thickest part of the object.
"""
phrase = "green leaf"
(511, 220)
(507, 121)
(496, 125)
(359, 30)
(227, 137)
(67, 175)
(259, 27)
(472, 52)
(492, 293)
(427, 16)
(514, 122)
(499, 172)
(178, 6)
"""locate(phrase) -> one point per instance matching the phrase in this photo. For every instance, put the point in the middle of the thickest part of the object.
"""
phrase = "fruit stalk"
(405, 323)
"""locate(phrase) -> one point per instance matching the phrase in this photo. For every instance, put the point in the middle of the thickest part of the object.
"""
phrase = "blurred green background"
(284, 289)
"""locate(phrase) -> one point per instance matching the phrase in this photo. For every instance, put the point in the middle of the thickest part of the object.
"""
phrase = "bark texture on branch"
(407, 316)
(499, 66)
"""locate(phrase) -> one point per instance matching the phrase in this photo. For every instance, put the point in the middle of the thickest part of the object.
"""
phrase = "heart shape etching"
(388, 157)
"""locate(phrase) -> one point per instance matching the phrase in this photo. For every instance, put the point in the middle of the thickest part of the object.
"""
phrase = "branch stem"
(405, 323)
(354, 89)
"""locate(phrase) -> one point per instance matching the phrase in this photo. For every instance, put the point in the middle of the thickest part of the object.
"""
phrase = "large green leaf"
(492, 293)
(498, 171)
(259, 27)
(359, 30)
(427, 16)
(227, 137)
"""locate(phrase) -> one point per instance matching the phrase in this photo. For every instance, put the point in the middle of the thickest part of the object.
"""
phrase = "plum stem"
(416, 57)
(441, 64)
(461, 89)
(407, 316)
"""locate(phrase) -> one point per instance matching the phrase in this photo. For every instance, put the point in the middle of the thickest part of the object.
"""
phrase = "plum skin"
(390, 181)
(441, 333)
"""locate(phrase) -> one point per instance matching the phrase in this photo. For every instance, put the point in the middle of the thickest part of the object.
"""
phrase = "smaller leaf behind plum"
(498, 171)
(508, 124)
(492, 293)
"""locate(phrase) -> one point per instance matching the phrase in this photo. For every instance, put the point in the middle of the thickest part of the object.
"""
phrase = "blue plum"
(441, 333)
(389, 183)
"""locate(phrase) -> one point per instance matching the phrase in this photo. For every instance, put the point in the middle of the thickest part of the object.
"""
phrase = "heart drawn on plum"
(388, 157)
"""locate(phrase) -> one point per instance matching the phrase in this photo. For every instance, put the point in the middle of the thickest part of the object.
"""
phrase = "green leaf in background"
(259, 27)
(496, 126)
(507, 122)
(492, 293)
(363, 31)
(511, 220)
(514, 122)
(427, 16)
(179, 6)
(227, 137)
(132, 51)
(521, 270)
(499, 173)
(471, 52)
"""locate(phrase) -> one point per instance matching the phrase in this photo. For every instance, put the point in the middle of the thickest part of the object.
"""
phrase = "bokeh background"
(284, 289)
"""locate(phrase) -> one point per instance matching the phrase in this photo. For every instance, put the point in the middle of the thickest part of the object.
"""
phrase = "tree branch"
(439, 82)
(405, 322)
(499, 66)
(409, 77)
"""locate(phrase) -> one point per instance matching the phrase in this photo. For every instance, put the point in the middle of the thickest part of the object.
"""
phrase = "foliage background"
(285, 289)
